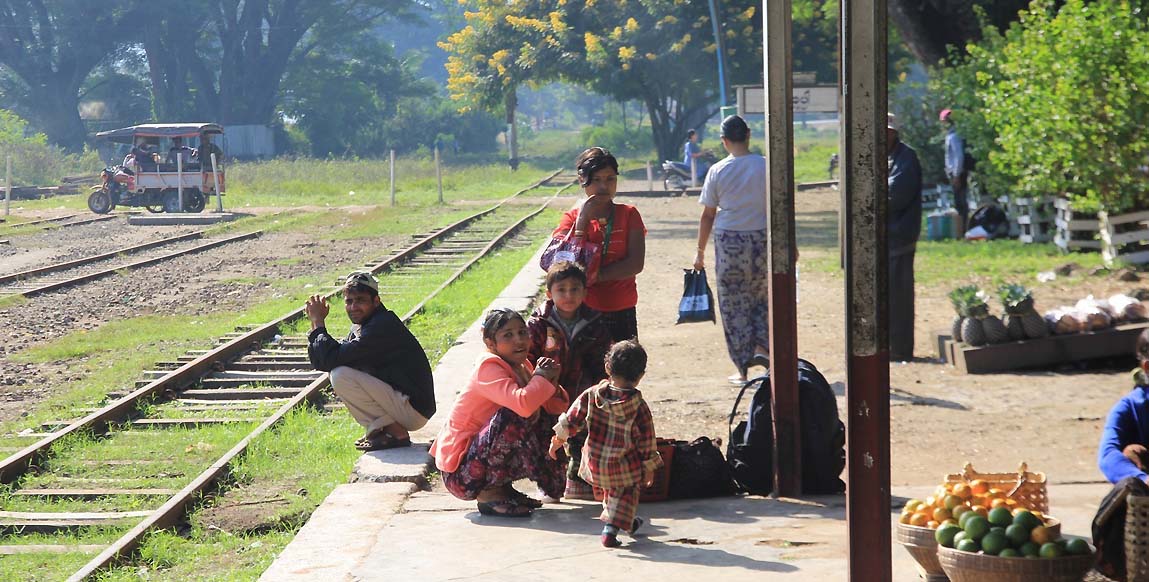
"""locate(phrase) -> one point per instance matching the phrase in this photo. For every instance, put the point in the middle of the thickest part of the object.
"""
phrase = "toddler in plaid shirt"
(620, 455)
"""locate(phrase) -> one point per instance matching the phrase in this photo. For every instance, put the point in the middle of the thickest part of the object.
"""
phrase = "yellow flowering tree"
(660, 52)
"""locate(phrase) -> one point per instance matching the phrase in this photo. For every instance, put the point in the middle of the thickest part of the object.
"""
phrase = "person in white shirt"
(734, 210)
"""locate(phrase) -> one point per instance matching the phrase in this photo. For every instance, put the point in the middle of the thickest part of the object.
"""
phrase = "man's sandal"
(379, 440)
(504, 508)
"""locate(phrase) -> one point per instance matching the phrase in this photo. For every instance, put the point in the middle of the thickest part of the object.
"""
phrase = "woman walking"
(734, 201)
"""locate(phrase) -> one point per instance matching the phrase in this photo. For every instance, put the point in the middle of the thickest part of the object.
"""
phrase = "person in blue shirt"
(956, 170)
(1123, 451)
(694, 151)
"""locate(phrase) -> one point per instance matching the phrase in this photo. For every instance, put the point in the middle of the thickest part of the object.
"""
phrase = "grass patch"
(346, 182)
(11, 301)
(812, 151)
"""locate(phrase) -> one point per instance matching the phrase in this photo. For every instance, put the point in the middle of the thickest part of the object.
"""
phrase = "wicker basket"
(1137, 538)
(921, 544)
(969, 567)
(1025, 487)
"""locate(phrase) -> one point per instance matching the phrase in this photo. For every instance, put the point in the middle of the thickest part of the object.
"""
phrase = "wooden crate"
(1033, 218)
(1044, 352)
(1075, 231)
(1125, 237)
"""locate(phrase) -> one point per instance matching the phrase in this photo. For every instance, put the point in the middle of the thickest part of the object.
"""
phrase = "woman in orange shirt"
(499, 429)
(619, 231)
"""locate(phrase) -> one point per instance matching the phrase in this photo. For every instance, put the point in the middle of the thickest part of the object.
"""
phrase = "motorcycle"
(676, 175)
(117, 188)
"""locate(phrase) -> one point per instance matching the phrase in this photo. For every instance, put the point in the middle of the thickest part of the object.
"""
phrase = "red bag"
(567, 248)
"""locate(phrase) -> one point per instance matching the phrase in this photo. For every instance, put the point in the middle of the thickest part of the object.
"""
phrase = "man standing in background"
(904, 226)
(956, 170)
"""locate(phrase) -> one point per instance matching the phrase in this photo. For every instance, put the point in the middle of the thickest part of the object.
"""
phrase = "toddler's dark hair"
(564, 270)
(497, 318)
(593, 160)
(1143, 346)
(627, 360)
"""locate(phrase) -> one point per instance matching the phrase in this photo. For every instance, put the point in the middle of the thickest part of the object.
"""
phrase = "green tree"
(1058, 103)
(51, 46)
(225, 59)
(344, 93)
(659, 52)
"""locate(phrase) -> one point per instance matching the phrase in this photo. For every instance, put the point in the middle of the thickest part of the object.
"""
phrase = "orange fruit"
(996, 503)
(978, 486)
(962, 490)
(905, 518)
(950, 520)
(957, 511)
(997, 493)
(981, 510)
(981, 499)
(932, 524)
(1040, 535)
(941, 514)
(931, 501)
(1010, 502)
(952, 501)
(919, 519)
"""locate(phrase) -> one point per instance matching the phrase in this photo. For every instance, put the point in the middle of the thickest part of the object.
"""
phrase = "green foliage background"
(1058, 103)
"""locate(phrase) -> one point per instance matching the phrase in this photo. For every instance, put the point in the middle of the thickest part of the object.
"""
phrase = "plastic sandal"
(504, 508)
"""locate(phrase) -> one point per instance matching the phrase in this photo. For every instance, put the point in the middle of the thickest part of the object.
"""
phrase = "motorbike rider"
(693, 151)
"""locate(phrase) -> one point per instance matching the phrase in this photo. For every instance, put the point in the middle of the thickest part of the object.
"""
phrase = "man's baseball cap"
(362, 278)
(891, 121)
(945, 114)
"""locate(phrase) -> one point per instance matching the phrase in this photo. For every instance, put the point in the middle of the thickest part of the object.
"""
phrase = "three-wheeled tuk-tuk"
(168, 169)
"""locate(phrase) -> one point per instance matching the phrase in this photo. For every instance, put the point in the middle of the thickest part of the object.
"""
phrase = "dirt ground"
(940, 418)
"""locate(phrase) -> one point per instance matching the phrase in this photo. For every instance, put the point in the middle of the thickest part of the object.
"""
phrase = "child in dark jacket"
(565, 330)
(1123, 450)
(620, 455)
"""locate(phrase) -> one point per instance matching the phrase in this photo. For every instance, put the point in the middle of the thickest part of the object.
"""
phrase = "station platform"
(393, 521)
(181, 219)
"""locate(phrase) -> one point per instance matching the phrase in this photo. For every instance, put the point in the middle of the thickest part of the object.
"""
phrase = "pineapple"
(1018, 303)
(995, 331)
(961, 298)
(1014, 327)
(972, 329)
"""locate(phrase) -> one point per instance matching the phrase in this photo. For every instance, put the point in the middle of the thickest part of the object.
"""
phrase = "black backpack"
(750, 450)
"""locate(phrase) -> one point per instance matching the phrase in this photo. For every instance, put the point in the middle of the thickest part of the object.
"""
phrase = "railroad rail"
(48, 278)
(253, 378)
(59, 219)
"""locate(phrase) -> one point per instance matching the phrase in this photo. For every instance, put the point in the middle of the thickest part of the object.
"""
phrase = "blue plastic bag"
(697, 302)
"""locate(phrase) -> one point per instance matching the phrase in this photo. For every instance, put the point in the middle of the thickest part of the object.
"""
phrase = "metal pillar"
(780, 238)
(864, 171)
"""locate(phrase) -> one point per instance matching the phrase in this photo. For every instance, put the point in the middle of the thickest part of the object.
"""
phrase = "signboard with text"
(807, 99)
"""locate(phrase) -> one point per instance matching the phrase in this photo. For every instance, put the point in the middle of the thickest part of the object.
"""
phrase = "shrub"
(1059, 103)
(35, 162)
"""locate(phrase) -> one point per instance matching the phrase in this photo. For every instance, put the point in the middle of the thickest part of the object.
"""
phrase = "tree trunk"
(58, 115)
(669, 124)
(929, 27)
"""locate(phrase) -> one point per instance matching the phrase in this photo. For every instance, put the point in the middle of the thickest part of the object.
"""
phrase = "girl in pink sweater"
(499, 429)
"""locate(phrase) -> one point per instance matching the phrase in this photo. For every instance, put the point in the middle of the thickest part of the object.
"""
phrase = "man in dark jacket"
(904, 222)
(380, 371)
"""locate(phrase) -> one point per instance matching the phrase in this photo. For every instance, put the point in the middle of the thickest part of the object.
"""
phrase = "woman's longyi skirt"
(509, 448)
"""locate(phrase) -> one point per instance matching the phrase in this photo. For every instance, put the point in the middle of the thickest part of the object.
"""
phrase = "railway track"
(66, 221)
(222, 398)
(68, 273)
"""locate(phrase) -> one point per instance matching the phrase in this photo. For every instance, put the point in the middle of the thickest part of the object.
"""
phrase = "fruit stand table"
(1040, 353)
